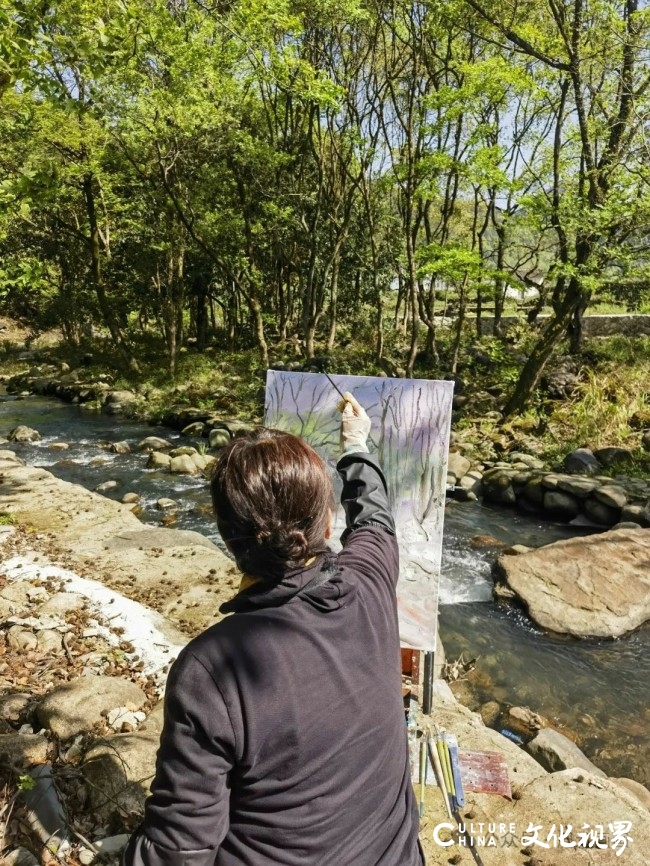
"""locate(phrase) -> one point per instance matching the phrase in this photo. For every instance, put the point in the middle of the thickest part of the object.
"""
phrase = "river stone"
(183, 450)
(219, 438)
(130, 498)
(77, 706)
(561, 504)
(58, 446)
(153, 443)
(601, 513)
(119, 770)
(457, 465)
(527, 459)
(105, 486)
(611, 456)
(639, 514)
(595, 586)
(555, 752)
(24, 434)
(582, 462)
(645, 440)
(580, 487)
(166, 503)
(183, 465)
(197, 428)
(610, 495)
(199, 461)
(497, 486)
(534, 491)
(120, 447)
(120, 397)
(24, 750)
(157, 460)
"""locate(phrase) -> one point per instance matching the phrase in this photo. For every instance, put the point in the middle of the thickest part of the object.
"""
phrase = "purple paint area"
(410, 436)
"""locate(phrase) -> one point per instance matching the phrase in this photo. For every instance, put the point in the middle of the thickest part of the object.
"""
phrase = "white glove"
(355, 425)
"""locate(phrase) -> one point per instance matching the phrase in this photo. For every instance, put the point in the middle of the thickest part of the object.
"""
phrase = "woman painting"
(284, 739)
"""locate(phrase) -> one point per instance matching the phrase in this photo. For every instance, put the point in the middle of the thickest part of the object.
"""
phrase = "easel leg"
(427, 684)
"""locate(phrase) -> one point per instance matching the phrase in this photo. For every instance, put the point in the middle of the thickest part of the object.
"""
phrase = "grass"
(7, 519)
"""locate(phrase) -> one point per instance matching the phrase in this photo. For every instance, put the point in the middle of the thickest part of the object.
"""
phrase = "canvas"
(410, 437)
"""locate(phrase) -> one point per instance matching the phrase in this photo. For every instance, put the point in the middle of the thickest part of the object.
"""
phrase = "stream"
(598, 689)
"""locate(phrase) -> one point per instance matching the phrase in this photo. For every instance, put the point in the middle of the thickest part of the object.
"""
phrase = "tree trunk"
(97, 277)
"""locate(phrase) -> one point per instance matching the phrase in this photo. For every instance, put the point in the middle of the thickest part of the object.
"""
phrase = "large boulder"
(457, 466)
(183, 465)
(77, 706)
(555, 752)
(594, 586)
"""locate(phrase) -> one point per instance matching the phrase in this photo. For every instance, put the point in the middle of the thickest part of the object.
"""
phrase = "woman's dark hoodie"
(284, 739)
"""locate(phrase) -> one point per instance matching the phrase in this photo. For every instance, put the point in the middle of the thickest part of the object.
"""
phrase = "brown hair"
(271, 494)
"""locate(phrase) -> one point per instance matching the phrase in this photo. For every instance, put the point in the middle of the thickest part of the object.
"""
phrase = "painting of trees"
(409, 436)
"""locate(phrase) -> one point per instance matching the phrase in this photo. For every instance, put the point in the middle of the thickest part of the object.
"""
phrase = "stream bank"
(102, 760)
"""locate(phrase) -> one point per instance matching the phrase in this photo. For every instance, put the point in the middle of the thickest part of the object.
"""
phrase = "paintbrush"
(336, 387)
(437, 769)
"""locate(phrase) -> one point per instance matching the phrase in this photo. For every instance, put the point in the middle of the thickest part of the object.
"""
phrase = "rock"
(24, 434)
(611, 495)
(120, 447)
(119, 401)
(153, 443)
(582, 462)
(593, 586)
(490, 713)
(579, 487)
(157, 460)
(166, 503)
(483, 542)
(49, 641)
(197, 428)
(199, 461)
(183, 465)
(516, 550)
(24, 750)
(61, 604)
(611, 456)
(20, 638)
(119, 771)
(457, 465)
(640, 420)
(640, 791)
(79, 705)
(58, 446)
(527, 459)
(119, 717)
(561, 504)
(105, 847)
(183, 450)
(639, 514)
(556, 752)
(534, 491)
(645, 440)
(13, 705)
(105, 486)
(130, 498)
(600, 513)
(219, 438)
(523, 721)
(19, 857)
(497, 486)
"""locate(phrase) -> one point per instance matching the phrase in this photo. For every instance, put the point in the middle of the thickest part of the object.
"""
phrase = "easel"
(414, 691)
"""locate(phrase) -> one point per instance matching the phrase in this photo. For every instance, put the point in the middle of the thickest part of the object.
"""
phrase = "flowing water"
(598, 689)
